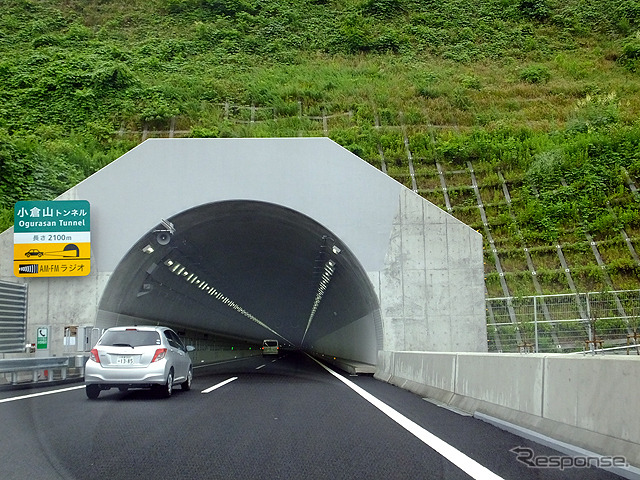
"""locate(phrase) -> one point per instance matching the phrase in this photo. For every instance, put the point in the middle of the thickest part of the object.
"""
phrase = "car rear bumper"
(143, 376)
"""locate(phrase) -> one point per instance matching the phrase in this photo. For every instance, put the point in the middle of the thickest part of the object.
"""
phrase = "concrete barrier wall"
(586, 401)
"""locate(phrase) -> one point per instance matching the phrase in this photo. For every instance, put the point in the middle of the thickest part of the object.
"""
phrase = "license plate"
(125, 360)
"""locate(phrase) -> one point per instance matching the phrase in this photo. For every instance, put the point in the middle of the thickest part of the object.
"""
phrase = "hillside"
(519, 117)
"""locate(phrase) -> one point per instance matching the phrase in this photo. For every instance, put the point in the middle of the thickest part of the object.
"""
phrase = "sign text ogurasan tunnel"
(52, 238)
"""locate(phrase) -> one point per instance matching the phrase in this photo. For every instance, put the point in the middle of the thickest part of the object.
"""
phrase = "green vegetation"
(538, 96)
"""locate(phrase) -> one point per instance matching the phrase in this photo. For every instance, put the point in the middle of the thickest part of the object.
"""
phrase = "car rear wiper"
(122, 345)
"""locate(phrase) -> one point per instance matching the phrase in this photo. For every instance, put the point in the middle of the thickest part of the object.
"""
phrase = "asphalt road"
(255, 418)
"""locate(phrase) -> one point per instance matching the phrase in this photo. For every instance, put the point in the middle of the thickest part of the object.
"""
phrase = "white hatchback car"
(138, 357)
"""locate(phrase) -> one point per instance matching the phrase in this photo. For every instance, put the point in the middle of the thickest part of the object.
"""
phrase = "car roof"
(147, 328)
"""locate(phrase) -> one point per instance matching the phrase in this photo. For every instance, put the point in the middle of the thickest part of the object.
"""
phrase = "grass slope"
(534, 100)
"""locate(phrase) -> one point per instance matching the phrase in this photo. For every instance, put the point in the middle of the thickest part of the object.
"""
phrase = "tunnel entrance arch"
(424, 267)
(249, 270)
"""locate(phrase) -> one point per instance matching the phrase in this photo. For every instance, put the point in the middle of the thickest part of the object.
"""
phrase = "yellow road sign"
(52, 259)
(52, 238)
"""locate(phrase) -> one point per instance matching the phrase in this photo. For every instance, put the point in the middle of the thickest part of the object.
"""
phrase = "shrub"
(388, 41)
(546, 169)
(471, 82)
(594, 111)
(113, 76)
(204, 132)
(226, 7)
(354, 35)
(535, 74)
(429, 91)
(178, 6)
(630, 56)
(383, 8)
(535, 9)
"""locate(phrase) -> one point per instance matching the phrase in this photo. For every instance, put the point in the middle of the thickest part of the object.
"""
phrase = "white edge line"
(260, 366)
(455, 456)
(32, 395)
(221, 384)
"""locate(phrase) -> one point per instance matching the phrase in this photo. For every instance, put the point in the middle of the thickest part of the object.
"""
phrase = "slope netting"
(597, 322)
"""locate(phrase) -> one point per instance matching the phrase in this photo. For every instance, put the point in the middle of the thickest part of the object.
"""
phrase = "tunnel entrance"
(250, 252)
(249, 270)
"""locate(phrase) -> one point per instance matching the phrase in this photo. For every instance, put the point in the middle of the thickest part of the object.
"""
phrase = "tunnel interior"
(249, 270)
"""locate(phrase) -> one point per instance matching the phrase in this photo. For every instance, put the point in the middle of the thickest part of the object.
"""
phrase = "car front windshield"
(130, 338)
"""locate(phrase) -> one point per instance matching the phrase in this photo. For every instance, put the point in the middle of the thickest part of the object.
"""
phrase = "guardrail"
(585, 401)
(14, 366)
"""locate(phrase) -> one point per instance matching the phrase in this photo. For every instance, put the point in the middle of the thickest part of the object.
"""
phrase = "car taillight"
(94, 356)
(160, 354)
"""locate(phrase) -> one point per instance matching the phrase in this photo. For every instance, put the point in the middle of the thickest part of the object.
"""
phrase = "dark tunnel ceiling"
(267, 259)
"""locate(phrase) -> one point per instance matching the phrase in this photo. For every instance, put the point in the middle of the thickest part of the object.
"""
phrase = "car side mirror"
(190, 348)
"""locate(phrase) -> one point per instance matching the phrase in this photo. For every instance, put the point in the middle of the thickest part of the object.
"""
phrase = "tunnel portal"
(295, 239)
(246, 269)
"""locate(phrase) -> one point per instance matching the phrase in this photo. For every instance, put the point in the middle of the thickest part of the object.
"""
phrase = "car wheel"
(93, 391)
(186, 385)
(167, 389)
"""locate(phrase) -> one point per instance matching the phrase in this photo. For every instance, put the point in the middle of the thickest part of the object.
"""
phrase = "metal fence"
(595, 322)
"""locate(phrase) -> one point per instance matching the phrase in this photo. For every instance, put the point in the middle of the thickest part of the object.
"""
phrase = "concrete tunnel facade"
(295, 239)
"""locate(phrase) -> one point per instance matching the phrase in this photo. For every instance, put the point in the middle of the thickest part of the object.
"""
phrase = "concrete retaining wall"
(586, 401)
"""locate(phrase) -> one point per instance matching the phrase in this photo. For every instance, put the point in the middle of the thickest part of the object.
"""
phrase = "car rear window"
(132, 338)
(270, 343)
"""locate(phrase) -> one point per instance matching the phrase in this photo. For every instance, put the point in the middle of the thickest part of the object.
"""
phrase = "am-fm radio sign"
(52, 238)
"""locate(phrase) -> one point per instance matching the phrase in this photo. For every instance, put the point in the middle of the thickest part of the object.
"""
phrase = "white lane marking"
(258, 368)
(211, 389)
(32, 395)
(455, 456)
(220, 363)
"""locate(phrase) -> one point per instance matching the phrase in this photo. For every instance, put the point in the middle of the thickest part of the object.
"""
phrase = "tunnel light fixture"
(148, 249)
(323, 284)
(192, 278)
(327, 240)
